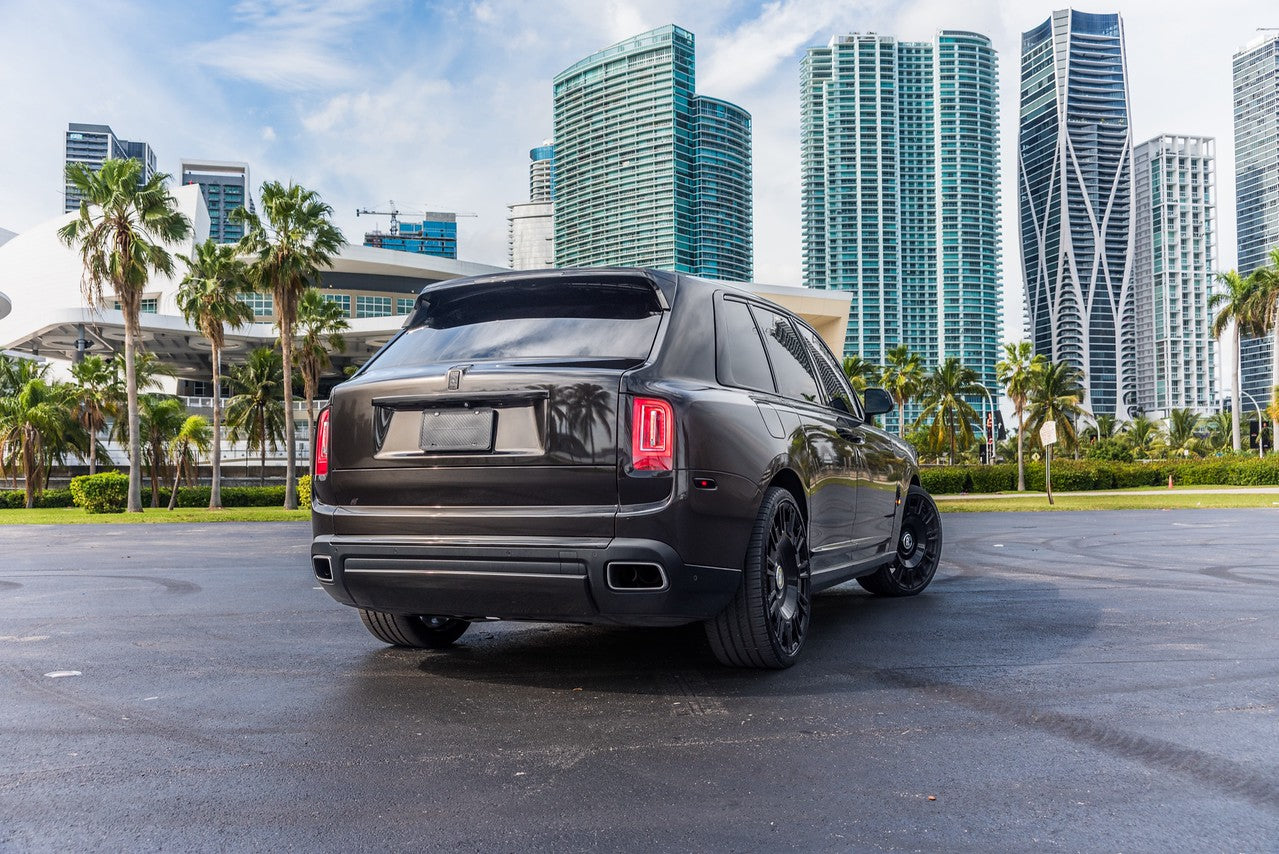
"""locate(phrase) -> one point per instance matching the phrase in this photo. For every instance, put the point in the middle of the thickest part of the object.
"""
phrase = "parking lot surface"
(1071, 681)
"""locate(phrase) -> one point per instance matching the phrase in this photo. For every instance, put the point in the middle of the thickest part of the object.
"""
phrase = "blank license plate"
(457, 430)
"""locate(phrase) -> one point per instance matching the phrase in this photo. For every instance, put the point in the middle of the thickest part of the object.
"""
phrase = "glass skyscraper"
(1174, 261)
(1256, 73)
(225, 187)
(92, 144)
(646, 172)
(1074, 188)
(900, 166)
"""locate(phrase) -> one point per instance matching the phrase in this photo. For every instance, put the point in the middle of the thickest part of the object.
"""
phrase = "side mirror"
(877, 401)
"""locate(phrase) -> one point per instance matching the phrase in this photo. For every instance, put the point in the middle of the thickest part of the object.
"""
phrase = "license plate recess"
(454, 430)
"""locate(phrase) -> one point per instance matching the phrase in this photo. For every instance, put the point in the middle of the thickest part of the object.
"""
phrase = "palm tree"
(1180, 435)
(193, 438)
(1236, 305)
(952, 417)
(121, 231)
(94, 393)
(160, 417)
(1017, 371)
(1141, 436)
(295, 241)
(1266, 317)
(32, 422)
(255, 414)
(209, 299)
(1219, 429)
(321, 324)
(860, 372)
(1057, 395)
(902, 377)
(16, 372)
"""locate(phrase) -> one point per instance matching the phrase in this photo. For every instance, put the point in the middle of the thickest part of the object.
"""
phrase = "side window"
(831, 375)
(740, 359)
(789, 356)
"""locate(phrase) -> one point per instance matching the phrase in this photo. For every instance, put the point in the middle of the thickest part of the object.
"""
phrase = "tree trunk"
(93, 447)
(215, 487)
(155, 475)
(286, 348)
(28, 471)
(1236, 414)
(1274, 389)
(131, 398)
(1021, 460)
(310, 428)
(901, 421)
(177, 473)
(262, 449)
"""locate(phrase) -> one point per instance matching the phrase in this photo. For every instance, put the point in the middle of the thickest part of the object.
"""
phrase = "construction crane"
(393, 213)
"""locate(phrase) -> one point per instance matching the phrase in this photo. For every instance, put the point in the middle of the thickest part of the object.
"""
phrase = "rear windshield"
(530, 320)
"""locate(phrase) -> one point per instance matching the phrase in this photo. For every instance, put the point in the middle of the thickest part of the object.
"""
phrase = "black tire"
(918, 550)
(766, 623)
(417, 632)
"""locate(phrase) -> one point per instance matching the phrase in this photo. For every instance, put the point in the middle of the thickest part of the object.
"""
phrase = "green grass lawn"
(76, 516)
(1118, 500)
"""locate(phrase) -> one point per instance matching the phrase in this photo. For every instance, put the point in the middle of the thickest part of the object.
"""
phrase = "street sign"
(1048, 433)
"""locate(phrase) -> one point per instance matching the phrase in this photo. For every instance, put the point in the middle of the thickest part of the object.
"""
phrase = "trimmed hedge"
(188, 496)
(1085, 475)
(304, 491)
(107, 492)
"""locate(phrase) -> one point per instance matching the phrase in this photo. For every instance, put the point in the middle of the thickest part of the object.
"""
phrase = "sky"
(434, 105)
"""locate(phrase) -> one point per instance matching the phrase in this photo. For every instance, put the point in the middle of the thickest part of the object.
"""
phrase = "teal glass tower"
(899, 150)
(647, 173)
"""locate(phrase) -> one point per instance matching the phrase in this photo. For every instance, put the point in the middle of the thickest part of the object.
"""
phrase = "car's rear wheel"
(766, 623)
(425, 632)
(918, 550)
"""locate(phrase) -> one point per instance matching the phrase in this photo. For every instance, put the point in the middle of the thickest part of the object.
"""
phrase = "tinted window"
(530, 320)
(741, 359)
(789, 356)
(830, 374)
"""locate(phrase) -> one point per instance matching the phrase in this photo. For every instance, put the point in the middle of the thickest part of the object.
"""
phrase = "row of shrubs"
(1079, 475)
(108, 492)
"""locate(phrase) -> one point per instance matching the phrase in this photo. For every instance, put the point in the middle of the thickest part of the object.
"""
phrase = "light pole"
(1261, 445)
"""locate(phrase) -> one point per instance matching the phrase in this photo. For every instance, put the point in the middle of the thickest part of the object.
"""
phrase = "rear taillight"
(652, 435)
(321, 467)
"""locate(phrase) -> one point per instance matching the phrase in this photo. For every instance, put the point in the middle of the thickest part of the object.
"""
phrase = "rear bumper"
(555, 579)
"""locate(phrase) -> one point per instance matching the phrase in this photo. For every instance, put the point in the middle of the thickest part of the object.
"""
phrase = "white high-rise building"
(1074, 187)
(1256, 79)
(1174, 261)
(531, 224)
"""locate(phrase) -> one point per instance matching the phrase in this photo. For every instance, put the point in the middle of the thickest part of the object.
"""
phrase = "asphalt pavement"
(1070, 682)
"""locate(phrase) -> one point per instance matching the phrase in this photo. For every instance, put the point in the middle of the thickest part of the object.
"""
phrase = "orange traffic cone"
(1170, 481)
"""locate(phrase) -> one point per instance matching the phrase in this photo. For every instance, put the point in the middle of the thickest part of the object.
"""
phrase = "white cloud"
(289, 44)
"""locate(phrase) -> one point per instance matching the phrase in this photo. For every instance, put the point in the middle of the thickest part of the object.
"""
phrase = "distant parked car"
(610, 446)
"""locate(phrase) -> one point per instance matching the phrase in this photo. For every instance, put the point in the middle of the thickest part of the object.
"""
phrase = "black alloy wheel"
(767, 622)
(918, 550)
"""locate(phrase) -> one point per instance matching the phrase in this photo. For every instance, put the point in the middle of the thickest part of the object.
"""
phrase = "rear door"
(496, 410)
(829, 461)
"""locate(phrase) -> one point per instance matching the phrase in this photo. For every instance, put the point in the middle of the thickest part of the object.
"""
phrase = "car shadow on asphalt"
(857, 642)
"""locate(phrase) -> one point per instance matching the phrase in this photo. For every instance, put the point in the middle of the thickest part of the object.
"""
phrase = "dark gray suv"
(610, 446)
